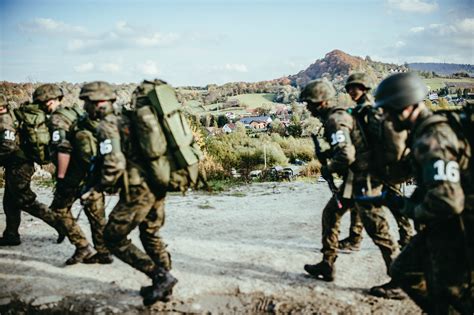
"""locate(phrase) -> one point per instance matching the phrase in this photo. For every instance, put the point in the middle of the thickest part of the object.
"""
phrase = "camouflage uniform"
(435, 267)
(138, 205)
(369, 120)
(19, 197)
(82, 151)
(350, 153)
(121, 169)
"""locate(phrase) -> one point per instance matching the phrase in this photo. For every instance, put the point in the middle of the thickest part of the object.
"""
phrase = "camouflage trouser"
(405, 229)
(94, 208)
(434, 271)
(374, 222)
(145, 210)
(356, 228)
(19, 197)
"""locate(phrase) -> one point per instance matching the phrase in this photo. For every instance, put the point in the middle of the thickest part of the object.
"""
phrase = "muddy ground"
(240, 251)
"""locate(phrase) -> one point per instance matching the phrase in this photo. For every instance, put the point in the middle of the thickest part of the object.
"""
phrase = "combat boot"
(163, 283)
(389, 290)
(99, 258)
(81, 254)
(325, 270)
(10, 240)
(146, 290)
(349, 244)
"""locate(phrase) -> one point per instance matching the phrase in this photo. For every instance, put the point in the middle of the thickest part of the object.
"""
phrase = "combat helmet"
(97, 91)
(47, 92)
(358, 78)
(399, 91)
(318, 91)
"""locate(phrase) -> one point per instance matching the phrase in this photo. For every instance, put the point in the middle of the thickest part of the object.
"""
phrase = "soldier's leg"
(149, 234)
(352, 242)
(94, 207)
(11, 236)
(63, 200)
(25, 198)
(125, 217)
(408, 270)
(450, 270)
(331, 219)
(405, 229)
(376, 225)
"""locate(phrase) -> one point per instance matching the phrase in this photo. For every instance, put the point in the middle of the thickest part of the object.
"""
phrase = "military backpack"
(34, 133)
(165, 138)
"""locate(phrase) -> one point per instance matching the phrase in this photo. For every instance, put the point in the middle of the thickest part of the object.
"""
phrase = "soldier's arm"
(113, 160)
(436, 155)
(58, 127)
(338, 131)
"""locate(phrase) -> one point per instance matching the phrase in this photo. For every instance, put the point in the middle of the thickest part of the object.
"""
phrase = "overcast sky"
(201, 42)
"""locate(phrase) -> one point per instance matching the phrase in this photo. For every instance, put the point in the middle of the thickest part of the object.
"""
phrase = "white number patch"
(338, 137)
(56, 136)
(106, 146)
(9, 135)
(447, 171)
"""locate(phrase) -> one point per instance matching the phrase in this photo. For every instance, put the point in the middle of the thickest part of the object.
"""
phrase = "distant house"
(256, 122)
(228, 128)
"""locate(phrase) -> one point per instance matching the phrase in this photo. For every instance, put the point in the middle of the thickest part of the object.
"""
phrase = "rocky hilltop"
(337, 65)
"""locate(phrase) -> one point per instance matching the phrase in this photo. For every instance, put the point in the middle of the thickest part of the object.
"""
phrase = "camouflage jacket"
(120, 160)
(440, 160)
(60, 123)
(388, 151)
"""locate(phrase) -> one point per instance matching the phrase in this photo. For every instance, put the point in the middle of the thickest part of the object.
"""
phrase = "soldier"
(33, 147)
(370, 120)
(349, 158)
(71, 141)
(121, 169)
(435, 269)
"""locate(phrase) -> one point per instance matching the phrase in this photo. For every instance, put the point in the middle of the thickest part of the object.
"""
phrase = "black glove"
(325, 173)
(393, 200)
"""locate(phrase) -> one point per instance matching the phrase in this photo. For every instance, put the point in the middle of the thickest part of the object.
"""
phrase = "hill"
(337, 65)
(442, 68)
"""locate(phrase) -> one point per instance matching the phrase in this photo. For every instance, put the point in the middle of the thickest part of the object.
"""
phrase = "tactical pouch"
(151, 136)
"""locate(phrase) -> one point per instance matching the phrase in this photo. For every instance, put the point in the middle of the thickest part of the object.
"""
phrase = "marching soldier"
(349, 158)
(435, 269)
(121, 170)
(33, 137)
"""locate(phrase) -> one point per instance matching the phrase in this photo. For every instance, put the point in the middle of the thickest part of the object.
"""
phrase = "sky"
(205, 42)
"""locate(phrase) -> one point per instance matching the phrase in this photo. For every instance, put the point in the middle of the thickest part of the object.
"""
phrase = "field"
(437, 83)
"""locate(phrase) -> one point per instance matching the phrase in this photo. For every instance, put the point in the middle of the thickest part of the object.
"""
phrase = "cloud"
(414, 6)
(450, 42)
(48, 26)
(149, 67)
(85, 67)
(231, 67)
(110, 68)
(156, 39)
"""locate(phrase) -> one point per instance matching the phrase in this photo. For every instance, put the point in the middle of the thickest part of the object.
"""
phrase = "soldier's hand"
(85, 196)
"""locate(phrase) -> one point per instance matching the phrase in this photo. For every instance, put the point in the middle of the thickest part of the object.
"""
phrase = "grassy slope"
(437, 83)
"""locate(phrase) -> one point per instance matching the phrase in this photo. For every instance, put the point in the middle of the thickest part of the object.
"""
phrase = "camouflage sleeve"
(59, 126)
(85, 147)
(113, 160)
(338, 134)
(435, 154)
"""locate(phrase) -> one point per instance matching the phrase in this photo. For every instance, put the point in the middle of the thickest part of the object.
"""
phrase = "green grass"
(437, 83)
(256, 100)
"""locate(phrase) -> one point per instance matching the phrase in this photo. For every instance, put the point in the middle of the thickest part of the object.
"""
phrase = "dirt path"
(241, 251)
